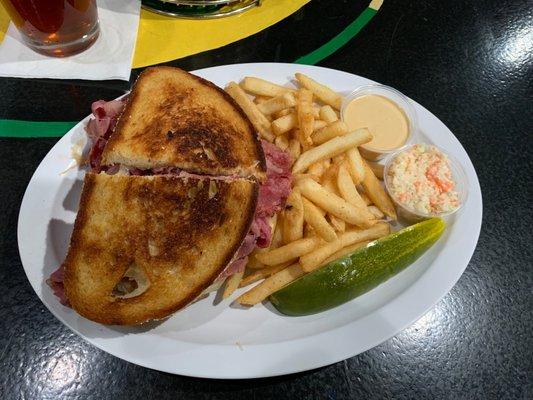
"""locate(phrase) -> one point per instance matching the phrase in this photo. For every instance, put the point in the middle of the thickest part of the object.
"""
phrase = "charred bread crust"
(229, 99)
(185, 140)
(229, 256)
(87, 254)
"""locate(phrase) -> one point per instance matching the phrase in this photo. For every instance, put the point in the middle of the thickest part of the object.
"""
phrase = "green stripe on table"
(340, 40)
(33, 129)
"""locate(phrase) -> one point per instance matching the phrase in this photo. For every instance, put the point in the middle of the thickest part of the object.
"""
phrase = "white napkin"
(109, 57)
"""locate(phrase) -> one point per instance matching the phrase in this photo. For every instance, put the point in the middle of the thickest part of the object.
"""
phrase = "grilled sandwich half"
(176, 119)
(150, 238)
(145, 246)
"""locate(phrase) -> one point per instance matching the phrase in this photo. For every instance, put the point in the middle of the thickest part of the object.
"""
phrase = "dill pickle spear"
(357, 273)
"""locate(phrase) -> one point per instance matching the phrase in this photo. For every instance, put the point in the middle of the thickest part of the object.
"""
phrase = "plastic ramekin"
(401, 101)
(458, 176)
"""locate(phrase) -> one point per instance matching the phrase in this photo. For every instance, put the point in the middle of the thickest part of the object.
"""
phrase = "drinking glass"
(55, 28)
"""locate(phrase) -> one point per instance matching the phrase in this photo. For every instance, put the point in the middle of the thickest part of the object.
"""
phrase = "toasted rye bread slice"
(176, 119)
(180, 232)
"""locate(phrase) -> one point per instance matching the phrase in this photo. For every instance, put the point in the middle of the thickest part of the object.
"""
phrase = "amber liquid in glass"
(55, 27)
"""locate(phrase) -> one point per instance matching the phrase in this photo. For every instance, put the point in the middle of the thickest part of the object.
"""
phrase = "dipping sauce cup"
(386, 113)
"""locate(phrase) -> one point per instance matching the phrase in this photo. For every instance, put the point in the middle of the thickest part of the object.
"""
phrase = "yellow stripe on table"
(162, 39)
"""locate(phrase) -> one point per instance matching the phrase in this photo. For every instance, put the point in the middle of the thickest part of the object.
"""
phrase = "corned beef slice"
(272, 196)
(101, 126)
(56, 283)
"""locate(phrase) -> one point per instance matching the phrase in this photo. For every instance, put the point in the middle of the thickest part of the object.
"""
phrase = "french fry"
(356, 165)
(349, 193)
(282, 113)
(294, 134)
(306, 119)
(270, 285)
(293, 217)
(277, 236)
(294, 149)
(365, 198)
(298, 177)
(338, 160)
(318, 124)
(277, 103)
(331, 148)
(284, 124)
(288, 121)
(231, 284)
(309, 231)
(262, 273)
(331, 203)
(345, 251)
(261, 99)
(338, 224)
(289, 252)
(322, 92)
(282, 142)
(316, 111)
(258, 120)
(330, 183)
(377, 169)
(317, 169)
(315, 218)
(315, 259)
(336, 128)
(330, 174)
(262, 87)
(377, 194)
(253, 263)
(326, 163)
(328, 114)
(376, 212)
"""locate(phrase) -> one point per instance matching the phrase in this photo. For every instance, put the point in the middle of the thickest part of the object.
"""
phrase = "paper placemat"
(109, 57)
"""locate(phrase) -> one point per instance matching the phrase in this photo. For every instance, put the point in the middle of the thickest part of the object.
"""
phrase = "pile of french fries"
(337, 203)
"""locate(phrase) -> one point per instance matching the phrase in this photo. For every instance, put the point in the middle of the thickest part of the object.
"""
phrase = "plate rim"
(320, 361)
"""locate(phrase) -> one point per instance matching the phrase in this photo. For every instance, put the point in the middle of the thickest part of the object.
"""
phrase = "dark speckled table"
(471, 64)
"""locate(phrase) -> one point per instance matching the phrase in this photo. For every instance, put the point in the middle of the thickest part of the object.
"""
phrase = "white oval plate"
(222, 341)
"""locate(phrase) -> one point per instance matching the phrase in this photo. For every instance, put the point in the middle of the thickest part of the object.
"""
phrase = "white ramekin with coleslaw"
(425, 182)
